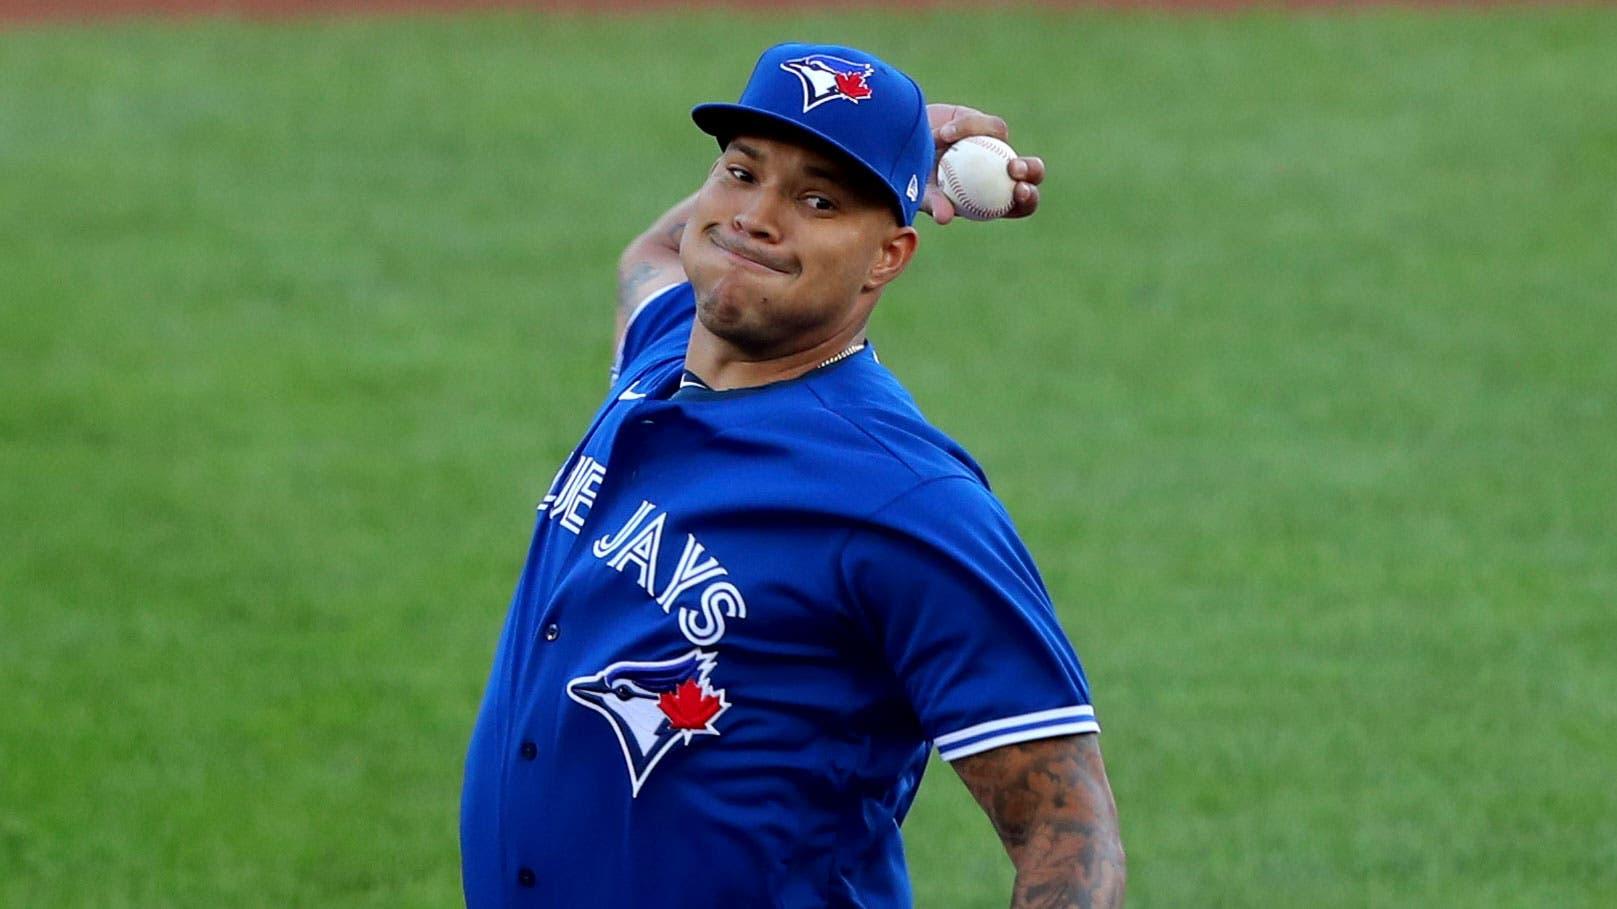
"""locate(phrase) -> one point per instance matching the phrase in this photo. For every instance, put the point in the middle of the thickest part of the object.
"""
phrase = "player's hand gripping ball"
(973, 174)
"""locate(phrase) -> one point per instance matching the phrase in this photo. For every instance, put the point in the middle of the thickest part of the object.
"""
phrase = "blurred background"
(1300, 385)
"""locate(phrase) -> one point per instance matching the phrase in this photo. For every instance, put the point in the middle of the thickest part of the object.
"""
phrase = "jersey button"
(529, 751)
(526, 877)
(552, 631)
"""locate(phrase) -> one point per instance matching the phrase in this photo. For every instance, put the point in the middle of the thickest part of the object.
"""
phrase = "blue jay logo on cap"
(653, 706)
(827, 78)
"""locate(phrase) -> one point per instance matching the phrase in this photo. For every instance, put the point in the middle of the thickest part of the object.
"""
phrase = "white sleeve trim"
(1021, 728)
(617, 355)
(1060, 713)
(649, 297)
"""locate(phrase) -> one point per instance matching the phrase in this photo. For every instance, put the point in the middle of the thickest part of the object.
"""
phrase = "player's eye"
(820, 203)
(740, 173)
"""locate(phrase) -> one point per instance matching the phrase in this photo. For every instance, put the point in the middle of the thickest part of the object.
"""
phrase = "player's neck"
(724, 367)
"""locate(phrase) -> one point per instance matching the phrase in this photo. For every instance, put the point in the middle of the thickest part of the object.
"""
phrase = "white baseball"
(973, 175)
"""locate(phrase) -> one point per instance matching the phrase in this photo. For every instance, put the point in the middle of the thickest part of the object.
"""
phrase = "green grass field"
(1301, 385)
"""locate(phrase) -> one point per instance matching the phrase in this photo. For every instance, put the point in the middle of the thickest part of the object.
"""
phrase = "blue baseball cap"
(860, 106)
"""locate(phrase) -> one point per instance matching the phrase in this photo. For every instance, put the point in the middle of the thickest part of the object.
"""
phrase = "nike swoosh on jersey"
(629, 394)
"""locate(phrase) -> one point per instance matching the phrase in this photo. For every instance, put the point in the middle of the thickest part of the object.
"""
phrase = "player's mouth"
(749, 256)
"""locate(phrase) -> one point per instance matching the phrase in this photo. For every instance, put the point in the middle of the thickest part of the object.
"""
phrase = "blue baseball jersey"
(744, 619)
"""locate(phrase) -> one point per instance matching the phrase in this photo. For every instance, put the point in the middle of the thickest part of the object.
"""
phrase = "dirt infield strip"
(25, 11)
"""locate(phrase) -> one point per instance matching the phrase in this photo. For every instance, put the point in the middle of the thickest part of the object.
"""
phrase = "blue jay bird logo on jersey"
(653, 706)
(827, 78)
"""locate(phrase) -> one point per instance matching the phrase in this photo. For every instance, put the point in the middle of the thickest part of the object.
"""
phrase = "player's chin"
(740, 313)
(732, 326)
(728, 305)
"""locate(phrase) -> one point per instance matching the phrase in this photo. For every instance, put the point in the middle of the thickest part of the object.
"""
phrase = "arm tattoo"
(1052, 807)
(631, 280)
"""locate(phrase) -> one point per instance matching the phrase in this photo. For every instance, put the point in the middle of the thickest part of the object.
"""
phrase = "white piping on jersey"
(1026, 735)
(617, 355)
(1022, 728)
(1060, 713)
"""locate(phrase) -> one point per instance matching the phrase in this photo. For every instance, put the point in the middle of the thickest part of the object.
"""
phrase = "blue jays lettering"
(637, 546)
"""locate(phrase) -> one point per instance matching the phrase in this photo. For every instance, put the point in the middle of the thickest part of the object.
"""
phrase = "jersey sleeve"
(662, 320)
(955, 604)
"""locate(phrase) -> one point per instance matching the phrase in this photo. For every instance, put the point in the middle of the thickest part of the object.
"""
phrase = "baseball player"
(763, 587)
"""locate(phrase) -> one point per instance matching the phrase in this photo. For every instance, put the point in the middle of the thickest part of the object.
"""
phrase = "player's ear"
(896, 252)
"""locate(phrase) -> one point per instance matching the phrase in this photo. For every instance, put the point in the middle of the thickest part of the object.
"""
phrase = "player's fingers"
(1027, 169)
(968, 122)
(938, 206)
(1024, 200)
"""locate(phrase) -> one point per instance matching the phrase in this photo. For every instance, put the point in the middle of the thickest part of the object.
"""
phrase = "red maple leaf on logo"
(853, 85)
(688, 707)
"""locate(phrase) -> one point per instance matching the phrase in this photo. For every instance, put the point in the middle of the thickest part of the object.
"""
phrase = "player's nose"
(759, 217)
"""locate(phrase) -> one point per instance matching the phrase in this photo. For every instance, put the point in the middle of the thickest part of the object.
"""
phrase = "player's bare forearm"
(1052, 806)
(652, 260)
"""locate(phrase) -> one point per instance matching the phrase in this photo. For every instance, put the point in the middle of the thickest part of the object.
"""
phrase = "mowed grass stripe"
(1300, 387)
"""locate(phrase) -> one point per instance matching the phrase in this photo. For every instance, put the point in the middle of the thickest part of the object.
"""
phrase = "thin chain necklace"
(847, 352)
(692, 380)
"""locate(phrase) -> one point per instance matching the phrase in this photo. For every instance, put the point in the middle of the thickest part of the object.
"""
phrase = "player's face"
(787, 247)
